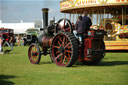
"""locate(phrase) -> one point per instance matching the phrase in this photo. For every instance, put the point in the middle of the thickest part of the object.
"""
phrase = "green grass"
(15, 69)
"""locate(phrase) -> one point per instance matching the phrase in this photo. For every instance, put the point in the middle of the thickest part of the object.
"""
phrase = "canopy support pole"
(104, 18)
(92, 17)
(69, 16)
(64, 15)
(98, 18)
(122, 16)
(100, 15)
(73, 19)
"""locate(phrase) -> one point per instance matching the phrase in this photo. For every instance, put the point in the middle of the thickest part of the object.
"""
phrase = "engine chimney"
(45, 17)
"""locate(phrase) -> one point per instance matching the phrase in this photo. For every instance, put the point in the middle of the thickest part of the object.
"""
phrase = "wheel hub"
(61, 49)
(34, 54)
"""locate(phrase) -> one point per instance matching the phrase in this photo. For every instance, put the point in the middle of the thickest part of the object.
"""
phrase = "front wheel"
(34, 53)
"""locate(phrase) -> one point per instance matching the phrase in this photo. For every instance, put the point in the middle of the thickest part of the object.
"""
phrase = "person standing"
(19, 40)
(6, 40)
(87, 21)
(11, 41)
(1, 40)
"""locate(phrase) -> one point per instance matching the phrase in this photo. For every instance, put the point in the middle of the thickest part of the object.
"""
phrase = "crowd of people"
(20, 41)
(9, 41)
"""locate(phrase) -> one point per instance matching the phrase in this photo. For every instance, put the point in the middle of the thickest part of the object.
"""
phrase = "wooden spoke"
(60, 39)
(57, 52)
(66, 40)
(68, 59)
(69, 55)
(35, 49)
(63, 41)
(67, 29)
(67, 45)
(64, 59)
(69, 51)
(58, 56)
(56, 47)
(59, 43)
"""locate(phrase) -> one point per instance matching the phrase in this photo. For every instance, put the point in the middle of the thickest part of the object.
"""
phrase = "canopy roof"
(78, 6)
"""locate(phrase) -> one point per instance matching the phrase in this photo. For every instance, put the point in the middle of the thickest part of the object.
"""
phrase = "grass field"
(15, 69)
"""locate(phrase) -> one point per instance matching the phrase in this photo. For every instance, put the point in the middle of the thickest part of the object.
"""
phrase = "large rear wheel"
(64, 49)
(34, 54)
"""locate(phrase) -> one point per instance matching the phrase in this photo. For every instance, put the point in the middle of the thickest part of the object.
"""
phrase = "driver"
(82, 26)
(87, 21)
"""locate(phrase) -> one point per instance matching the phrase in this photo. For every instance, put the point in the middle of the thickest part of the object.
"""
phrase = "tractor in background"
(31, 36)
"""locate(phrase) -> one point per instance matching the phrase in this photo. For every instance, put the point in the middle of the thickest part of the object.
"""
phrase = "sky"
(28, 10)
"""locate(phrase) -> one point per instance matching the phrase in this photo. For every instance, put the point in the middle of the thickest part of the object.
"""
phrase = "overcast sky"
(28, 10)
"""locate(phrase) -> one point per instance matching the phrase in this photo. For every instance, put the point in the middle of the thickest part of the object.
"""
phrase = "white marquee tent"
(18, 27)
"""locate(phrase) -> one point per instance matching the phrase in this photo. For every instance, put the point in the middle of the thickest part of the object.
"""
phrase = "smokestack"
(45, 17)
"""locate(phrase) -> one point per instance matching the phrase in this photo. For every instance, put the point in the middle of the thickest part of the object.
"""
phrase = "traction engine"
(64, 48)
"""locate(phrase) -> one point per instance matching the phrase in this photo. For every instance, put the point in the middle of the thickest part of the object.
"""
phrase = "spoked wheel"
(64, 49)
(34, 53)
(64, 25)
(94, 59)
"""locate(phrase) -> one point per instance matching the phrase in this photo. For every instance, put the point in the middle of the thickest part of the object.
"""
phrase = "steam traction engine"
(64, 47)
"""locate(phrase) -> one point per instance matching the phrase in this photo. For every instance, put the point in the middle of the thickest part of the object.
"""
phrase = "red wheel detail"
(60, 58)
(64, 49)
(63, 41)
(64, 25)
(57, 52)
(34, 54)
(60, 39)
(67, 29)
(59, 43)
(56, 47)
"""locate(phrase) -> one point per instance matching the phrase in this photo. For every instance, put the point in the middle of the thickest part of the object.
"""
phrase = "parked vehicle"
(31, 36)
